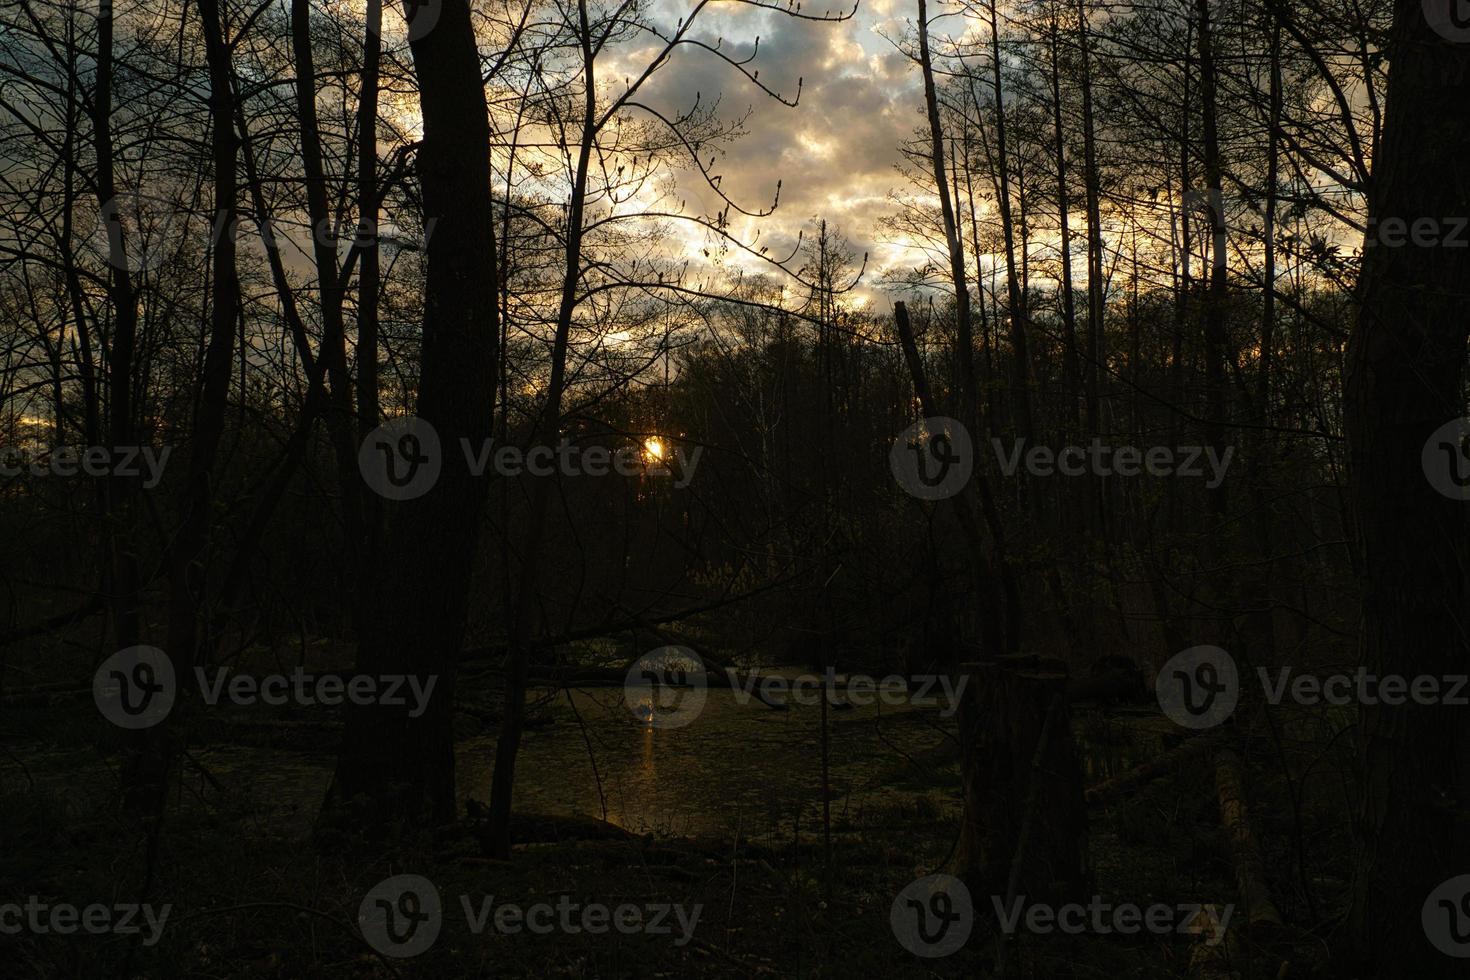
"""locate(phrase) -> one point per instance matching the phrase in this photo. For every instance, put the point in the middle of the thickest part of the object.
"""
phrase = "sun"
(654, 446)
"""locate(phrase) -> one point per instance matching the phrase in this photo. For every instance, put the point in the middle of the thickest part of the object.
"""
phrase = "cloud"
(834, 153)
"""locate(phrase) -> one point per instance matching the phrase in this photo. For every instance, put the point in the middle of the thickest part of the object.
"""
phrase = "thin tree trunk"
(124, 302)
(1215, 304)
(159, 746)
(1096, 300)
(368, 277)
(340, 418)
(1071, 371)
(507, 746)
(1021, 364)
(952, 240)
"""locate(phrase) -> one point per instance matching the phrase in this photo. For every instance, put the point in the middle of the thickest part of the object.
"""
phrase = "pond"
(739, 766)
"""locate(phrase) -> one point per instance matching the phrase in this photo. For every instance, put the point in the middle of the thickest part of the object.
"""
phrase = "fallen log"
(1151, 770)
(87, 609)
(1250, 867)
(1215, 951)
(1111, 685)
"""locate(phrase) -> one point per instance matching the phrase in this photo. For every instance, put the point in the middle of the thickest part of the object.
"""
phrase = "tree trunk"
(1021, 357)
(402, 766)
(1096, 299)
(155, 749)
(1018, 747)
(1215, 304)
(507, 746)
(952, 240)
(123, 298)
(1071, 370)
(1405, 369)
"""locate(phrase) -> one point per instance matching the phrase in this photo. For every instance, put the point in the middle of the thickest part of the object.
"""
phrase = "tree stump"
(1025, 827)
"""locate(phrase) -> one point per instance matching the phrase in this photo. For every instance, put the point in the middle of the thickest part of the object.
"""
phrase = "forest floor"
(254, 892)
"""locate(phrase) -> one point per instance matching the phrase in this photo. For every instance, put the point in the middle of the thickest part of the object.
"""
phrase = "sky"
(835, 153)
